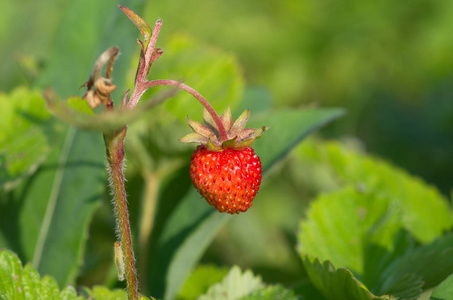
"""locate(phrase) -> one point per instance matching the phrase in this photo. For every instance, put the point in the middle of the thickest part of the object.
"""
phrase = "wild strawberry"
(224, 169)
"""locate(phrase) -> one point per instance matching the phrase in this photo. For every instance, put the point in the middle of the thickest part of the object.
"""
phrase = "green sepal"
(260, 131)
(227, 119)
(212, 147)
(194, 138)
(209, 121)
(244, 144)
(199, 128)
(240, 123)
(229, 143)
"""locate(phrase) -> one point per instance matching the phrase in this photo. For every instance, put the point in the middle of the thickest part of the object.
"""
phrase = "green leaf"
(418, 200)
(287, 129)
(443, 291)
(258, 100)
(139, 22)
(102, 293)
(339, 237)
(235, 285)
(22, 283)
(200, 280)
(17, 283)
(26, 134)
(193, 224)
(432, 262)
(80, 105)
(367, 237)
(374, 235)
(337, 283)
(48, 216)
(273, 292)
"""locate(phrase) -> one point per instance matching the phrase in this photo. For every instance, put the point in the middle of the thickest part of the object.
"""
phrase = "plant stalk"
(114, 143)
(197, 95)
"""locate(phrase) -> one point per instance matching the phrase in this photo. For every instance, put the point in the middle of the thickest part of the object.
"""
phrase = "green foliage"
(25, 135)
(271, 292)
(337, 283)
(316, 49)
(102, 293)
(235, 285)
(417, 200)
(444, 291)
(44, 213)
(379, 231)
(45, 219)
(80, 105)
(375, 236)
(18, 283)
(245, 286)
(200, 280)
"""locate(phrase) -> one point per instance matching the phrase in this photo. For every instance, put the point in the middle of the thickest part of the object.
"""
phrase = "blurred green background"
(389, 63)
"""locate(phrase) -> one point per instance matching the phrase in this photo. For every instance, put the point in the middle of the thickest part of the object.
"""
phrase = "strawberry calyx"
(237, 136)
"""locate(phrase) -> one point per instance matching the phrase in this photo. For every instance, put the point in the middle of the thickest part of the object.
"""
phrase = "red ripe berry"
(228, 180)
(227, 173)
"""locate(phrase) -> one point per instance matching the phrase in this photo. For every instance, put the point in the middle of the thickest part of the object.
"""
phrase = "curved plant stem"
(197, 95)
(114, 143)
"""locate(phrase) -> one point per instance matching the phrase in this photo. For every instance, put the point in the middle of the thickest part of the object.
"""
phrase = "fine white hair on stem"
(113, 198)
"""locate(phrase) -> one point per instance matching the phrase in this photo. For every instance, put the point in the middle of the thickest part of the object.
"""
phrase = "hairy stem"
(114, 143)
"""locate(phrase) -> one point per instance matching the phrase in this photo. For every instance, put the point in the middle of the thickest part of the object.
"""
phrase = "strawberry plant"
(226, 219)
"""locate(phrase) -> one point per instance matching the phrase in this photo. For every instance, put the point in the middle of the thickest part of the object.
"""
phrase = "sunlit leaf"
(443, 291)
(375, 234)
(26, 135)
(418, 200)
(102, 293)
(200, 280)
(22, 283)
(340, 237)
(80, 105)
(235, 285)
(273, 292)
